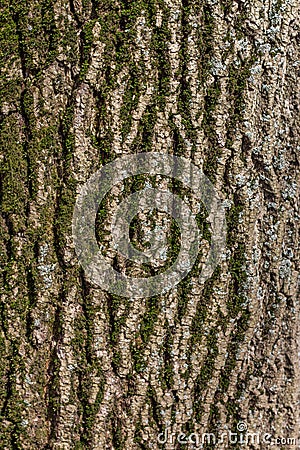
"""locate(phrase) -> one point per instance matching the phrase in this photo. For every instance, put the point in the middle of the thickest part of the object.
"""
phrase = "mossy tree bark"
(83, 83)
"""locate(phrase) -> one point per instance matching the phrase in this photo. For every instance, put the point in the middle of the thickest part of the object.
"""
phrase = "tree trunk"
(83, 84)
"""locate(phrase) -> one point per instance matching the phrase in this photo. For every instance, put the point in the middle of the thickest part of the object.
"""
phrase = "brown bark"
(82, 84)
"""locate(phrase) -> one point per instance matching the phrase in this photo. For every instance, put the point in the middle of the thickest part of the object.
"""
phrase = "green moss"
(202, 307)
(237, 262)
(160, 37)
(116, 321)
(238, 78)
(38, 37)
(184, 289)
(206, 372)
(149, 318)
(13, 171)
(69, 42)
(51, 32)
(88, 366)
(90, 410)
(87, 39)
(205, 41)
(67, 185)
(13, 405)
(117, 33)
(236, 339)
(118, 436)
(208, 124)
(179, 145)
(166, 373)
(203, 224)
(138, 359)
(143, 141)
(226, 6)
(185, 92)
(130, 99)
(8, 46)
(145, 332)
(63, 218)
(232, 220)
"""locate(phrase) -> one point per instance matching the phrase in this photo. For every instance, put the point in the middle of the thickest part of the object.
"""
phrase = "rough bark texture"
(82, 83)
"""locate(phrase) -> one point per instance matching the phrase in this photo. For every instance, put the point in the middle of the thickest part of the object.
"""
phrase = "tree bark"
(82, 84)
